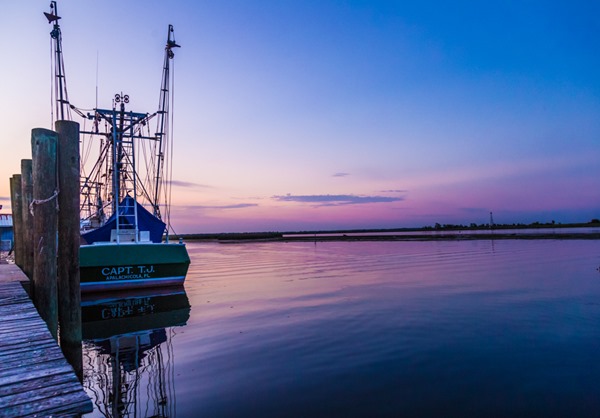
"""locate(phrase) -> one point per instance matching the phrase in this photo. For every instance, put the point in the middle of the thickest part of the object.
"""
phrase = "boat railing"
(129, 235)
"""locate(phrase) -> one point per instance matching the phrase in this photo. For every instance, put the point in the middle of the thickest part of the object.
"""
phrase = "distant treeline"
(267, 236)
(473, 226)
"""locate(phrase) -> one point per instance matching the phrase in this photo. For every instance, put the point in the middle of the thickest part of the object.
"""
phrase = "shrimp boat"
(125, 185)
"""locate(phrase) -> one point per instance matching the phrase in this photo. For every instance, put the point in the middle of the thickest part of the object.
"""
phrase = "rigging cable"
(169, 184)
(51, 86)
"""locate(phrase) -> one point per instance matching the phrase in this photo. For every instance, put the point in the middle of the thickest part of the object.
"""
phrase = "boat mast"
(115, 169)
(63, 111)
(163, 116)
(121, 139)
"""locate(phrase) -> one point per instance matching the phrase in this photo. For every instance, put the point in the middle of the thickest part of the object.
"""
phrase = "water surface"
(444, 328)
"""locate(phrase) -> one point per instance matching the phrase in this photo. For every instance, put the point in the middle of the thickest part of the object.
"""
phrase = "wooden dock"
(35, 378)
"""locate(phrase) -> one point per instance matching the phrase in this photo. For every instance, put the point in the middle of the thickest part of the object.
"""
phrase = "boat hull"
(112, 266)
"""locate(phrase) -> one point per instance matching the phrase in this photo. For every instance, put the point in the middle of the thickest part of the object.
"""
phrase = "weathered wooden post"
(27, 219)
(69, 295)
(12, 207)
(43, 151)
(16, 203)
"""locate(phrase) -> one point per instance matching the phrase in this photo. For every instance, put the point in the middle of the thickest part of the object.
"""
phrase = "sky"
(320, 115)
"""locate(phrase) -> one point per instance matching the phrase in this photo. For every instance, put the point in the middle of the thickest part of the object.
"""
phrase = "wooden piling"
(11, 182)
(27, 219)
(44, 147)
(69, 295)
(17, 205)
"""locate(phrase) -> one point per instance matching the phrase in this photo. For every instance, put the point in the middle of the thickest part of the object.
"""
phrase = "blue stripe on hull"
(132, 284)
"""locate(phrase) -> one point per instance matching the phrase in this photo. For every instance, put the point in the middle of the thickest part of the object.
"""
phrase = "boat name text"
(127, 272)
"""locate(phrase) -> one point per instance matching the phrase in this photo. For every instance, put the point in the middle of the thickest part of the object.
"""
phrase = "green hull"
(132, 265)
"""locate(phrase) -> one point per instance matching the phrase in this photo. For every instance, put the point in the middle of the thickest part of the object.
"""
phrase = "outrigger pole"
(163, 114)
(60, 85)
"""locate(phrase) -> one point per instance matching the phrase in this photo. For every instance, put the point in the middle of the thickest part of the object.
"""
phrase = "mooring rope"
(42, 201)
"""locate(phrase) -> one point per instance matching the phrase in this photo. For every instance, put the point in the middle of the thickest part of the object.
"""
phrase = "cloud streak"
(336, 200)
(236, 206)
(188, 184)
(340, 174)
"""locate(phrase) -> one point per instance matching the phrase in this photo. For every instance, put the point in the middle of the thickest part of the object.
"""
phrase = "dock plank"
(35, 378)
(39, 357)
(23, 386)
(39, 393)
(33, 374)
(7, 350)
(60, 404)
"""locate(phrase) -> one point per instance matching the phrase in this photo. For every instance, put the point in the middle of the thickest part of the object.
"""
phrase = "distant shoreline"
(534, 231)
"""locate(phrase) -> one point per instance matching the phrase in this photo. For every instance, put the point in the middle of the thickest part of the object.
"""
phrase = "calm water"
(417, 329)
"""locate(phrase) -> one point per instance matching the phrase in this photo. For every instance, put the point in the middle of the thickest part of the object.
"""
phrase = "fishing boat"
(126, 165)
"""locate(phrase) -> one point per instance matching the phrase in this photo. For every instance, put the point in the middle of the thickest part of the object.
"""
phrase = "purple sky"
(331, 114)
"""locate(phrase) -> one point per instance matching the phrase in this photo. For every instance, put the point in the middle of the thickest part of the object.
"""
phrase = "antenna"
(97, 59)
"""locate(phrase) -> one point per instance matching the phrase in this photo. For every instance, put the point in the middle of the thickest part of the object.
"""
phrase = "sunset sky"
(302, 115)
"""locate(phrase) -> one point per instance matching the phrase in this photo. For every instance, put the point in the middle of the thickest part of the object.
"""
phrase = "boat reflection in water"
(128, 355)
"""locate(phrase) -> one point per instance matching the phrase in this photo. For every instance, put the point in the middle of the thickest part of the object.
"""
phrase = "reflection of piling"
(16, 204)
(27, 219)
(69, 295)
(43, 147)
